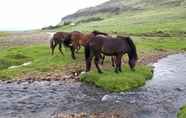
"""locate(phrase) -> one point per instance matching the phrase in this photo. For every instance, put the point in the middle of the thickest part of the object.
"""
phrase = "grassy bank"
(182, 112)
(125, 81)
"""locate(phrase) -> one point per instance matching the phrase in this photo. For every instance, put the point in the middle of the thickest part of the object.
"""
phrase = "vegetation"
(156, 27)
(3, 34)
(182, 112)
(134, 22)
(42, 61)
(39, 55)
(125, 81)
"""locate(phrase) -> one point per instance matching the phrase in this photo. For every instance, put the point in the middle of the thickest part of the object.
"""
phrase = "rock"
(106, 98)
(179, 89)
(132, 101)
(8, 82)
(82, 73)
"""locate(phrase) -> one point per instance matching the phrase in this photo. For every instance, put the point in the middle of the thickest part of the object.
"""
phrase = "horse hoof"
(116, 71)
(100, 72)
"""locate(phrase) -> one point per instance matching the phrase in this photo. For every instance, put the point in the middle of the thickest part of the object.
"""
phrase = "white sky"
(33, 14)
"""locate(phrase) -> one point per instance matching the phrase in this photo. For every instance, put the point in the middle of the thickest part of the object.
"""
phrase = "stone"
(106, 98)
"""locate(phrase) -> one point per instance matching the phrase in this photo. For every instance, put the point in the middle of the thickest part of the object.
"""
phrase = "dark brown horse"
(110, 46)
(58, 39)
(78, 39)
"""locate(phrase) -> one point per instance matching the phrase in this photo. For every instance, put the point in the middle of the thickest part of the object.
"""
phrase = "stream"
(161, 97)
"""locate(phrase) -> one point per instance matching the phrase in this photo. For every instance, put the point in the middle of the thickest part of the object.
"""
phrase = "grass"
(42, 61)
(182, 112)
(3, 34)
(40, 56)
(125, 81)
(135, 22)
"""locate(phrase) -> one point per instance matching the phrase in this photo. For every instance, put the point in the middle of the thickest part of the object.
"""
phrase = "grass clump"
(125, 81)
(182, 112)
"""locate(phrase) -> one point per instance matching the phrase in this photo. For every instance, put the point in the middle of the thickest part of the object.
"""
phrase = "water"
(161, 97)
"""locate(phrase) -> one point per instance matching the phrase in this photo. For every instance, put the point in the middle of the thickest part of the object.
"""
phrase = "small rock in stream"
(106, 98)
(179, 89)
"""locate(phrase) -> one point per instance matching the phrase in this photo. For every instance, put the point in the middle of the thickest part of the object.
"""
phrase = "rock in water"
(106, 98)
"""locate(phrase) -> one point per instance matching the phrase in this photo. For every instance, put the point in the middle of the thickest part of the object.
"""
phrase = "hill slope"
(134, 16)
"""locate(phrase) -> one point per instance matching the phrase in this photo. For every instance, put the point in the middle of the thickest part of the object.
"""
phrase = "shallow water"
(160, 98)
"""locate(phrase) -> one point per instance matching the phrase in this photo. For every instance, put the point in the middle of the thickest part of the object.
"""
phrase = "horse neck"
(85, 39)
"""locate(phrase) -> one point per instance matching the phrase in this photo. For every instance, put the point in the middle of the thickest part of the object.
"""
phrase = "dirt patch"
(152, 58)
(23, 38)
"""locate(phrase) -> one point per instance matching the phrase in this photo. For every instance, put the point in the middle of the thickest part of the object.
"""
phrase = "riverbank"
(160, 97)
(33, 48)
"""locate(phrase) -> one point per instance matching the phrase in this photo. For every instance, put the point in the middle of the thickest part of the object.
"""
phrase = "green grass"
(163, 19)
(152, 44)
(125, 81)
(39, 55)
(182, 112)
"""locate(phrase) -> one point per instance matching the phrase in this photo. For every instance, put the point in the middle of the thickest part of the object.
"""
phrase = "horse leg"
(113, 61)
(88, 63)
(96, 61)
(72, 52)
(102, 59)
(53, 48)
(117, 64)
(120, 63)
(60, 46)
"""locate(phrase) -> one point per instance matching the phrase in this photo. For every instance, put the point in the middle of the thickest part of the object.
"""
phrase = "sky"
(34, 14)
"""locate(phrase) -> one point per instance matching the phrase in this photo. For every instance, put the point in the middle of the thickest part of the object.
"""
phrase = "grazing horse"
(80, 39)
(110, 46)
(58, 39)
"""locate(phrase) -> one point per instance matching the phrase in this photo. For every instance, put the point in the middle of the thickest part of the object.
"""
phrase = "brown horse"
(81, 39)
(58, 39)
(110, 46)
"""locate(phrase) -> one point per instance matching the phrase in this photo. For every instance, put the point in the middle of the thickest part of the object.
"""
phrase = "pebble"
(106, 98)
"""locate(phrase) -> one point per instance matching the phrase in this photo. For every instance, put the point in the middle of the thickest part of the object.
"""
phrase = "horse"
(78, 39)
(110, 46)
(58, 39)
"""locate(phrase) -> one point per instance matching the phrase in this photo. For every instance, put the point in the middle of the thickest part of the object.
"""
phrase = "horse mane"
(95, 32)
(131, 44)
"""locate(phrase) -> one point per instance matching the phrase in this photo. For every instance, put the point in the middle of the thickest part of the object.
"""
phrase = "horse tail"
(133, 48)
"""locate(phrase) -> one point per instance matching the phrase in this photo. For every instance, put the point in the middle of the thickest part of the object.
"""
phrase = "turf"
(115, 82)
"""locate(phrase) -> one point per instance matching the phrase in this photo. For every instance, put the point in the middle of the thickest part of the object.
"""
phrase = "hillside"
(134, 17)
(119, 6)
